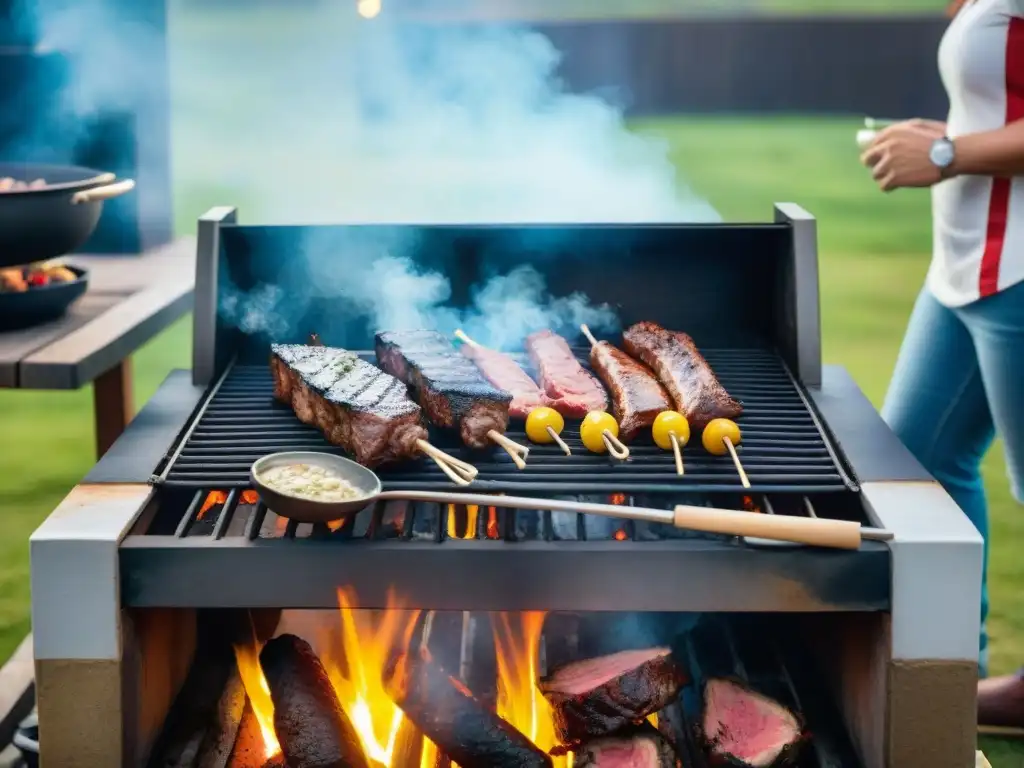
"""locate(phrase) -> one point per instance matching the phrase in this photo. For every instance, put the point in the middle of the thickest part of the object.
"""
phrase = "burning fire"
(472, 513)
(219, 498)
(248, 659)
(356, 657)
(516, 643)
(368, 645)
(492, 523)
(213, 499)
(368, 9)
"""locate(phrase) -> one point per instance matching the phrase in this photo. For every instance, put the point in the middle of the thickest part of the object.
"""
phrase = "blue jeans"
(959, 380)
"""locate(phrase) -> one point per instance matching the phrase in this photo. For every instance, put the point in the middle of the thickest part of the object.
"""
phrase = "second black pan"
(41, 224)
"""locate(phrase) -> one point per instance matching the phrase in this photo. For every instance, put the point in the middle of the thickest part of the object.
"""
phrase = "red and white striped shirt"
(978, 221)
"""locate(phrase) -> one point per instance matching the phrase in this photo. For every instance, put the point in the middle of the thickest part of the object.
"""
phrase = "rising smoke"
(305, 113)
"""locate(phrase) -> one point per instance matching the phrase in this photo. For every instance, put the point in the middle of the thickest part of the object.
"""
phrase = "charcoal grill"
(165, 529)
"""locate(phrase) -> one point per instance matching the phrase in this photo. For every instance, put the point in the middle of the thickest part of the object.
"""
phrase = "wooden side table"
(129, 301)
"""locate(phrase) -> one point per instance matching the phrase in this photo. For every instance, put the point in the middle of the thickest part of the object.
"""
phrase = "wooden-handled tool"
(815, 532)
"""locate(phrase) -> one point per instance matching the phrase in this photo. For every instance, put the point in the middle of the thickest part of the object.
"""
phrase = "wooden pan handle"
(815, 532)
(107, 192)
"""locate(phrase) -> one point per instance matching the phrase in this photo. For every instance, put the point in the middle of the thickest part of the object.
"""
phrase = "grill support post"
(204, 318)
(801, 326)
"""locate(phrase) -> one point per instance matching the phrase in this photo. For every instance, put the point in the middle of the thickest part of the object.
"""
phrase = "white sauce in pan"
(309, 481)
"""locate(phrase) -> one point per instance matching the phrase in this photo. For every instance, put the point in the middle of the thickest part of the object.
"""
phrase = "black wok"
(40, 224)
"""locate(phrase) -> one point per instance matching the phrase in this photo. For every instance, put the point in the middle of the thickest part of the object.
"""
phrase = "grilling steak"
(637, 397)
(746, 729)
(597, 697)
(308, 719)
(451, 390)
(642, 747)
(356, 405)
(463, 728)
(683, 371)
(505, 373)
(570, 388)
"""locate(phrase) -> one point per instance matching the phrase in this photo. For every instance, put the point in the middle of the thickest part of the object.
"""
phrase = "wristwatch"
(942, 154)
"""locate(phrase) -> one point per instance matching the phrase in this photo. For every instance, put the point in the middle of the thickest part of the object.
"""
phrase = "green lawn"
(873, 259)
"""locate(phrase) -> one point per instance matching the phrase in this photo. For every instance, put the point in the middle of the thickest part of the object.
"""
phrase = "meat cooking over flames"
(597, 697)
(505, 373)
(571, 389)
(637, 397)
(683, 371)
(357, 406)
(746, 728)
(451, 390)
(641, 747)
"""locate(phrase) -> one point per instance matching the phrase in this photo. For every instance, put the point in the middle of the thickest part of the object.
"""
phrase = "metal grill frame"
(785, 450)
(242, 555)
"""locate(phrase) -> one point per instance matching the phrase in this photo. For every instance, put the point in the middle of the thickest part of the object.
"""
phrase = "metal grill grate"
(236, 513)
(784, 447)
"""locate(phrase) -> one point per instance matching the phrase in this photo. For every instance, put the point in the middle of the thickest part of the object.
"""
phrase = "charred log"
(311, 726)
(461, 726)
(597, 697)
(746, 729)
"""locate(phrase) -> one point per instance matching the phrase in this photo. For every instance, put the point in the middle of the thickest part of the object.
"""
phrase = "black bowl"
(40, 304)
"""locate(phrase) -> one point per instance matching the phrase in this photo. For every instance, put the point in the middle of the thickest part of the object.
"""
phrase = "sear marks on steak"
(641, 747)
(683, 371)
(309, 722)
(570, 388)
(505, 373)
(451, 390)
(597, 697)
(637, 397)
(356, 405)
(747, 729)
(462, 727)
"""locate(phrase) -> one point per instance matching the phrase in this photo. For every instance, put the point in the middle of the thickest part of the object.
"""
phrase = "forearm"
(991, 153)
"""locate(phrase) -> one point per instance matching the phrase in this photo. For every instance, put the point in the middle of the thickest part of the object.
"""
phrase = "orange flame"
(620, 535)
(472, 513)
(368, 641)
(750, 505)
(250, 497)
(492, 523)
(617, 498)
(213, 499)
(256, 688)
(516, 643)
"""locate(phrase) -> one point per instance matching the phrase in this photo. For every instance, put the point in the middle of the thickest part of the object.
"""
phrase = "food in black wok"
(8, 184)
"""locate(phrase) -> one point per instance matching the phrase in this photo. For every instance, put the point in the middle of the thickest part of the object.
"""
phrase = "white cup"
(865, 136)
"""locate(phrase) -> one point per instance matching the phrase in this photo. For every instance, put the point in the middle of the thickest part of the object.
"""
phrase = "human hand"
(900, 155)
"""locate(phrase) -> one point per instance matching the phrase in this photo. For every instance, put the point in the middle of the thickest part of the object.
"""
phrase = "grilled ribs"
(570, 388)
(356, 405)
(637, 397)
(683, 371)
(505, 373)
(450, 389)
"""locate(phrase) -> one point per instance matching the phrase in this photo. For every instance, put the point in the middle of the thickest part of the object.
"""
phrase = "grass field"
(874, 253)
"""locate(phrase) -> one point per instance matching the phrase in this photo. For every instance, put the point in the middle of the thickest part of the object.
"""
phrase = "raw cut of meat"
(571, 389)
(747, 729)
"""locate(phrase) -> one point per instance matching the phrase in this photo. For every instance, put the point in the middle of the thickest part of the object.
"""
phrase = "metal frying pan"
(46, 222)
(839, 534)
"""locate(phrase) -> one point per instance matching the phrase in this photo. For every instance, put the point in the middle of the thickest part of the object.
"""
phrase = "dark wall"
(883, 66)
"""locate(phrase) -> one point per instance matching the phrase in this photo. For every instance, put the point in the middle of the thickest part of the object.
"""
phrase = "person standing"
(959, 377)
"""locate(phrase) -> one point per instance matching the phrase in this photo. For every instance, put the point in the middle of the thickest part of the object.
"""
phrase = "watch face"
(941, 153)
